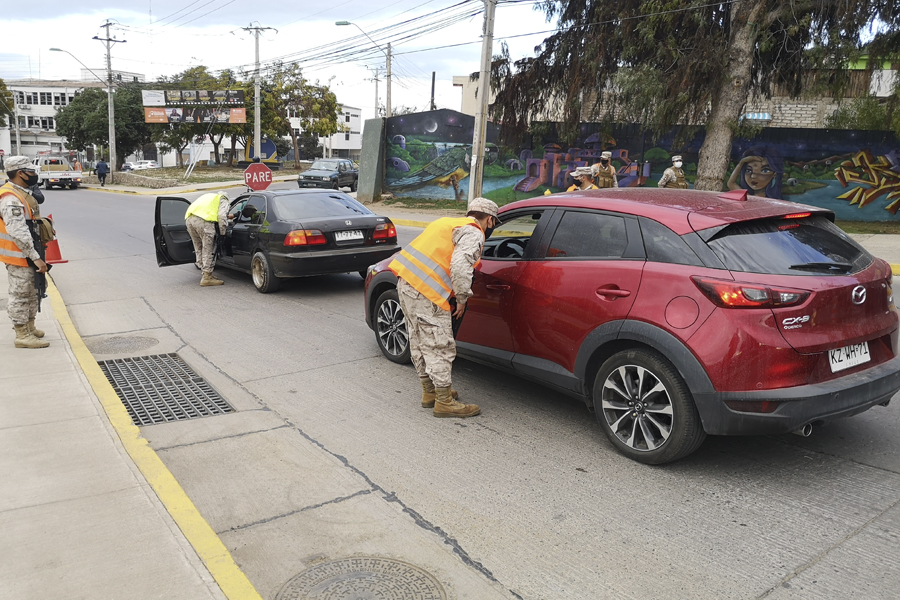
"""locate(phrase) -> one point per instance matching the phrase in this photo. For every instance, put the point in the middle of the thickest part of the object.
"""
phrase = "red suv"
(675, 313)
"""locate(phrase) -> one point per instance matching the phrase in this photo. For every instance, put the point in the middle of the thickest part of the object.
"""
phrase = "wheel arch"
(382, 282)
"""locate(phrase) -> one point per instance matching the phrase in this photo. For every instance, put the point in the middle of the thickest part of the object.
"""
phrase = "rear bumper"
(817, 403)
(350, 260)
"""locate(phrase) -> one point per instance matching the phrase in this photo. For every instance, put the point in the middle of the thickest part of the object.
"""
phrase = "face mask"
(604, 160)
(31, 179)
(677, 164)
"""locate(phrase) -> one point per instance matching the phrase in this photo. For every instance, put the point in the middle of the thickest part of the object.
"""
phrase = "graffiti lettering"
(874, 177)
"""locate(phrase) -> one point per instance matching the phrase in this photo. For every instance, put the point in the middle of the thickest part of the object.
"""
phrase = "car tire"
(645, 408)
(390, 328)
(264, 278)
(48, 185)
(354, 185)
(335, 186)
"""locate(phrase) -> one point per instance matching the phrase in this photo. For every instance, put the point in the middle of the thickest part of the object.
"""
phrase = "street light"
(111, 112)
(387, 111)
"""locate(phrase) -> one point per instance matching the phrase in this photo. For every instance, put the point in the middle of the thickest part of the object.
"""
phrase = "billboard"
(192, 97)
(194, 106)
(178, 114)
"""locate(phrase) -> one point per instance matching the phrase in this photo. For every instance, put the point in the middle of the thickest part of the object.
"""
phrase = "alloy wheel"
(391, 327)
(637, 407)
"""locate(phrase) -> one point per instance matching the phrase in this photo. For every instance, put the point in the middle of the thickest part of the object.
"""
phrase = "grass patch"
(874, 227)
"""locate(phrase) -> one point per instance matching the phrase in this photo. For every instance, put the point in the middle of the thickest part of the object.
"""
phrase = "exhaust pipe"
(804, 431)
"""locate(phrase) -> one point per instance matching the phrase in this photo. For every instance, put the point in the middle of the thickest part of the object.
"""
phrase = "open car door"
(170, 235)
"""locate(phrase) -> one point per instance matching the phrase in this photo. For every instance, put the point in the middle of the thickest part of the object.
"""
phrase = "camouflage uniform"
(203, 234)
(431, 344)
(23, 302)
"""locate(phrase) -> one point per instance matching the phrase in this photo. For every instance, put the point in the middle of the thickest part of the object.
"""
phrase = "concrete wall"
(371, 164)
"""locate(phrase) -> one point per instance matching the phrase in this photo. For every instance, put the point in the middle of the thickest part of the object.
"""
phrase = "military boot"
(210, 279)
(446, 406)
(34, 330)
(428, 392)
(24, 338)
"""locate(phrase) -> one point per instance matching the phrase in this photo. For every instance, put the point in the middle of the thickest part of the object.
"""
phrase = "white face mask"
(677, 164)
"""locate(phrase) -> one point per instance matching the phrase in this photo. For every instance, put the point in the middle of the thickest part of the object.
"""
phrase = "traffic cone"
(53, 256)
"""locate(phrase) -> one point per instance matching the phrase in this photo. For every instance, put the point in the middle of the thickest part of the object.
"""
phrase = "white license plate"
(346, 236)
(848, 356)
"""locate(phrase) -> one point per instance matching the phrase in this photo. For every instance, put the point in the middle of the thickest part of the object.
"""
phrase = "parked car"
(146, 164)
(55, 171)
(334, 173)
(129, 166)
(674, 314)
(282, 234)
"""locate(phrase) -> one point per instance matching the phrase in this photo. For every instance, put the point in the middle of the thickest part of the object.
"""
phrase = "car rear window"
(807, 246)
(297, 207)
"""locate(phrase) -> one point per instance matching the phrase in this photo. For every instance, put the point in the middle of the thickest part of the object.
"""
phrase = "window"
(250, 210)
(297, 207)
(588, 235)
(347, 118)
(59, 99)
(34, 122)
(512, 238)
(46, 98)
(22, 123)
(47, 123)
(346, 137)
(665, 246)
(20, 98)
(31, 97)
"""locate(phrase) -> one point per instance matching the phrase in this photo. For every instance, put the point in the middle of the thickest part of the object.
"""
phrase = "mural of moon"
(431, 126)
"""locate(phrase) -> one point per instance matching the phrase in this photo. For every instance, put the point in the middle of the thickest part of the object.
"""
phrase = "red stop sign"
(258, 176)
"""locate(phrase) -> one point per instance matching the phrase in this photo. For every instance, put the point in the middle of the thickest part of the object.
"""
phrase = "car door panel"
(244, 231)
(170, 236)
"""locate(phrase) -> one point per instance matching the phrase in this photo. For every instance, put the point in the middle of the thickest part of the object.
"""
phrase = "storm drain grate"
(162, 388)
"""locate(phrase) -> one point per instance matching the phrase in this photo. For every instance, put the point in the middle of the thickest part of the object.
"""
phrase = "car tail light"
(797, 216)
(733, 294)
(384, 231)
(305, 237)
(764, 406)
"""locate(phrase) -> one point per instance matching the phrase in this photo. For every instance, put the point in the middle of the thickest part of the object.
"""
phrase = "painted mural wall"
(854, 173)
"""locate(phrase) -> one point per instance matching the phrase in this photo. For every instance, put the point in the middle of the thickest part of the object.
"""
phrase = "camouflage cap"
(483, 205)
(606, 154)
(15, 163)
(582, 172)
(676, 157)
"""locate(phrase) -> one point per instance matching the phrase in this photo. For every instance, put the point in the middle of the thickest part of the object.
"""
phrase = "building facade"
(343, 144)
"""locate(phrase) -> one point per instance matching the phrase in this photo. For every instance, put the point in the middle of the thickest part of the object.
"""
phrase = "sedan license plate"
(346, 236)
(848, 356)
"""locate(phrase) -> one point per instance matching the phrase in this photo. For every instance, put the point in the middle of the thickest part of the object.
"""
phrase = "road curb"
(895, 269)
(231, 580)
(405, 223)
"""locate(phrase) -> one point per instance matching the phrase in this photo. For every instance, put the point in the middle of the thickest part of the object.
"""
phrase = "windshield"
(299, 207)
(325, 165)
(809, 246)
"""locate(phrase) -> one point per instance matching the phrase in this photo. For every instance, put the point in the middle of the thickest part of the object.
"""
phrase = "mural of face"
(758, 174)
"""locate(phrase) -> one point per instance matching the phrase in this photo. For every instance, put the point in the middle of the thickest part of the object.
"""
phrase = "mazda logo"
(858, 295)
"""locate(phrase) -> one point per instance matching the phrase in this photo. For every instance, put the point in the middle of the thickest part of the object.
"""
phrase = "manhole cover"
(363, 578)
(162, 388)
(120, 344)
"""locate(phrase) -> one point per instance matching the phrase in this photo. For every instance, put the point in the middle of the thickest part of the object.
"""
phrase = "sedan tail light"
(733, 294)
(305, 237)
(384, 231)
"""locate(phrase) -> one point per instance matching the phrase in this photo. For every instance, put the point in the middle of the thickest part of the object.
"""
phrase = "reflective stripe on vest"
(206, 207)
(10, 253)
(425, 262)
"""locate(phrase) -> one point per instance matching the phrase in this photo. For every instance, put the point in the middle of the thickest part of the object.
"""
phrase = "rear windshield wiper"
(823, 266)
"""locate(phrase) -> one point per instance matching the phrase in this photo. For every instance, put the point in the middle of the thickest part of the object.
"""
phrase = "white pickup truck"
(55, 171)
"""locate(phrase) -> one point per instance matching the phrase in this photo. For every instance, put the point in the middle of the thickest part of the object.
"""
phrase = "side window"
(665, 246)
(171, 211)
(588, 235)
(513, 237)
(252, 210)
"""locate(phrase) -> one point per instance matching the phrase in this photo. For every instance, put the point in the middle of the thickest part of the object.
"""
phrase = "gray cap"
(582, 172)
(483, 205)
(15, 163)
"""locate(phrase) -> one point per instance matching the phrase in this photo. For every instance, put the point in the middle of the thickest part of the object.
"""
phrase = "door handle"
(615, 292)
(497, 286)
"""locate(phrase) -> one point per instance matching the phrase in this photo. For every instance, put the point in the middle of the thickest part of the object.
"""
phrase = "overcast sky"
(167, 36)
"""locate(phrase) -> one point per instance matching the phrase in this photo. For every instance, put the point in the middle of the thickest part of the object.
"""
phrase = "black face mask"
(488, 232)
(604, 161)
(30, 179)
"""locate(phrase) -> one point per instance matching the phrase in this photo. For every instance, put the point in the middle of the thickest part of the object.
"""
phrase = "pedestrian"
(102, 169)
(18, 250)
(201, 219)
(673, 177)
(77, 165)
(604, 172)
(582, 178)
(434, 268)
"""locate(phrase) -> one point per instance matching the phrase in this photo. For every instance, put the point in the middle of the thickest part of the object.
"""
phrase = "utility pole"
(375, 78)
(109, 96)
(257, 136)
(387, 111)
(432, 89)
(476, 171)
(18, 136)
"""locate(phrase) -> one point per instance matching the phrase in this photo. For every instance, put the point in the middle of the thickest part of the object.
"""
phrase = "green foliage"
(422, 152)
(6, 104)
(657, 155)
(866, 113)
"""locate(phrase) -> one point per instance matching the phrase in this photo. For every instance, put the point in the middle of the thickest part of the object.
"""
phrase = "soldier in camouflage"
(17, 249)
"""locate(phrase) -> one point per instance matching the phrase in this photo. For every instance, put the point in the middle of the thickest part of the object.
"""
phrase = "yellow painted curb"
(895, 269)
(232, 581)
(405, 223)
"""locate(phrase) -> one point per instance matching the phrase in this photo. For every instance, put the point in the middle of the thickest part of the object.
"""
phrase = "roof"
(682, 211)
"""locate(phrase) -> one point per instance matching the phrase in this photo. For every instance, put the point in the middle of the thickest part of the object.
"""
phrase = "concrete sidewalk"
(79, 518)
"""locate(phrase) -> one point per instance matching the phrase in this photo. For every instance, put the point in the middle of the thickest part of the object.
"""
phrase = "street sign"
(258, 177)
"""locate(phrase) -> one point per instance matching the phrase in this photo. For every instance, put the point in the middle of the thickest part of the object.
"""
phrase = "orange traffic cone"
(53, 256)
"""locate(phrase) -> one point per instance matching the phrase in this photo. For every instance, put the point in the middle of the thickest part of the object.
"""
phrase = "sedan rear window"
(298, 207)
(808, 246)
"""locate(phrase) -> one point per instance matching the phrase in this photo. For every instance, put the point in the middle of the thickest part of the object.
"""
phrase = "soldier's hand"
(41, 266)
(460, 310)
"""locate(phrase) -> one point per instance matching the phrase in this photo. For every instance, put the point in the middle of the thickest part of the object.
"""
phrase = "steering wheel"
(510, 248)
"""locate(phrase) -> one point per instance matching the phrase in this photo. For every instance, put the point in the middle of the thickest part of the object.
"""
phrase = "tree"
(85, 121)
(6, 104)
(866, 113)
(689, 62)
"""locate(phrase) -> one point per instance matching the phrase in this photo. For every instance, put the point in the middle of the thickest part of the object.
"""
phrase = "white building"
(117, 76)
(346, 143)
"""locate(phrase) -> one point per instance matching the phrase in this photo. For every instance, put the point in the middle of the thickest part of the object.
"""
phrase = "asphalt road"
(528, 499)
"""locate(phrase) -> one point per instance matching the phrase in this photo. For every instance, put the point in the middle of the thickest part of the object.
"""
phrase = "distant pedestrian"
(19, 250)
(77, 165)
(604, 172)
(201, 219)
(102, 170)
(582, 178)
(673, 177)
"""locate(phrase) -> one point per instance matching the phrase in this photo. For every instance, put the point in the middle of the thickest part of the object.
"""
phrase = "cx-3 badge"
(858, 296)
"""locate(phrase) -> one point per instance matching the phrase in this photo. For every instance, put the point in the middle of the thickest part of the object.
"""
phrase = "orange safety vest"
(425, 262)
(10, 253)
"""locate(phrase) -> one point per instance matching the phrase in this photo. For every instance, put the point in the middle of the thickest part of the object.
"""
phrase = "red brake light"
(305, 237)
(797, 216)
(733, 294)
(384, 231)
